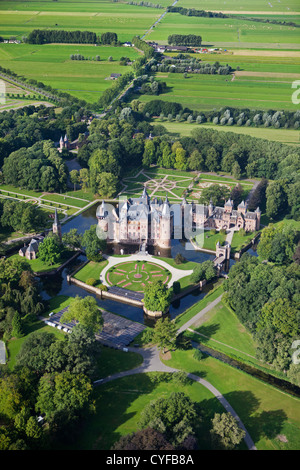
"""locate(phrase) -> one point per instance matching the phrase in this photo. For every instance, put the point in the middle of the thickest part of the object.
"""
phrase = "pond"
(58, 284)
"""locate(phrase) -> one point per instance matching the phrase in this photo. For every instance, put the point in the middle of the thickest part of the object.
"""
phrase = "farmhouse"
(114, 76)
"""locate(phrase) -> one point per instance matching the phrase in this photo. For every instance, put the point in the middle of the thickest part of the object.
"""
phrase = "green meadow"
(125, 20)
(203, 92)
(284, 6)
(227, 31)
(286, 136)
(51, 64)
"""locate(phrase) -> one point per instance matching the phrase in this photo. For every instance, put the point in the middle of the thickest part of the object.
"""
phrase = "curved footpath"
(152, 363)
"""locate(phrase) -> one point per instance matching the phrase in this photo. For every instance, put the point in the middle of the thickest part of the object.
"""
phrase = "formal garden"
(135, 275)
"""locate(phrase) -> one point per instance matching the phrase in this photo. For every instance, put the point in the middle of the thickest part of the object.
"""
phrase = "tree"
(84, 178)
(276, 198)
(282, 315)
(33, 353)
(226, 431)
(17, 327)
(85, 311)
(236, 170)
(72, 239)
(196, 161)
(106, 184)
(145, 439)
(74, 177)
(205, 270)
(63, 392)
(50, 250)
(157, 297)
(218, 195)
(212, 159)
(165, 333)
(94, 246)
(174, 416)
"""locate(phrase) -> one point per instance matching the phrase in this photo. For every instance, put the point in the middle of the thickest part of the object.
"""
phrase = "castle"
(31, 251)
(137, 220)
(141, 220)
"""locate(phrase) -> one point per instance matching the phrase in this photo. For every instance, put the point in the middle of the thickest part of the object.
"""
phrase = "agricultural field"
(19, 18)
(227, 32)
(204, 92)
(51, 64)
(245, 7)
(285, 136)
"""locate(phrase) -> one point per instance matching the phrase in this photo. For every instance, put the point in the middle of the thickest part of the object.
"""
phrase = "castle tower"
(165, 225)
(56, 227)
(210, 208)
(102, 214)
(242, 207)
(228, 206)
(61, 144)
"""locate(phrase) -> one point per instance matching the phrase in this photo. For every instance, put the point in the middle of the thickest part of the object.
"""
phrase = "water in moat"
(58, 284)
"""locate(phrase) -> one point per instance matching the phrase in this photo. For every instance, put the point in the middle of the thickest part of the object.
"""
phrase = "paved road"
(200, 315)
(152, 363)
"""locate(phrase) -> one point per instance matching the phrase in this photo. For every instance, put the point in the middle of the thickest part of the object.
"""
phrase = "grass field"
(227, 32)
(268, 413)
(203, 92)
(51, 64)
(19, 18)
(286, 6)
(91, 270)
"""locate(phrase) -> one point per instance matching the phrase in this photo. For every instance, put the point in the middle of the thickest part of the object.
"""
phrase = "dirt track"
(267, 74)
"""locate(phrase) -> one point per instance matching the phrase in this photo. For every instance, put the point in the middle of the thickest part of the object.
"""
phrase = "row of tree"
(227, 116)
(184, 40)
(47, 36)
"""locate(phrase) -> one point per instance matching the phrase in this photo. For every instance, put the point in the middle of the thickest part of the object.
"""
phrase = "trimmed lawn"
(221, 325)
(265, 411)
(39, 266)
(239, 241)
(208, 240)
(197, 307)
(119, 404)
(91, 270)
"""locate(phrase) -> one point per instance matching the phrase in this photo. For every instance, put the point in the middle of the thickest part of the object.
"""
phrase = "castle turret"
(242, 207)
(228, 206)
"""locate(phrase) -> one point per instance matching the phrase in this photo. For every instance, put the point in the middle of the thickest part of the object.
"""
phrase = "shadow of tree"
(259, 423)
(207, 331)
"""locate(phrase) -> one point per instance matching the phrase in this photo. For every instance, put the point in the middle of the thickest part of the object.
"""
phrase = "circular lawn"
(135, 275)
